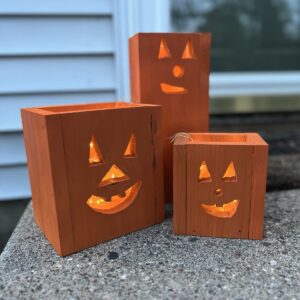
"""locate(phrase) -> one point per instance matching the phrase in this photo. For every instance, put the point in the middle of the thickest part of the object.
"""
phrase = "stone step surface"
(154, 263)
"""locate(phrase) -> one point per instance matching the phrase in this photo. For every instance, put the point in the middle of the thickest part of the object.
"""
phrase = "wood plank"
(89, 226)
(60, 197)
(158, 171)
(41, 160)
(217, 158)
(56, 35)
(259, 177)
(179, 186)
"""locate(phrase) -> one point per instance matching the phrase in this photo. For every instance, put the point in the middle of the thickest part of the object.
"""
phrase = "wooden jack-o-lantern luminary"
(95, 170)
(219, 184)
(172, 69)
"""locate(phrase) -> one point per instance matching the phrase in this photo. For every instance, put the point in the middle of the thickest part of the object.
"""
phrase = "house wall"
(58, 52)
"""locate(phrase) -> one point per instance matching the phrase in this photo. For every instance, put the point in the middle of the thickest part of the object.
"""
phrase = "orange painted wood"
(182, 69)
(208, 200)
(57, 141)
(260, 158)
(179, 185)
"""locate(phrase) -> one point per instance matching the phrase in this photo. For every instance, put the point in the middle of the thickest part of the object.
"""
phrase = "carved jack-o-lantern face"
(122, 198)
(173, 67)
(219, 209)
(218, 185)
(177, 69)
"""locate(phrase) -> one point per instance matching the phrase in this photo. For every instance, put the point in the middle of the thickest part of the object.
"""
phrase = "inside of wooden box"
(226, 138)
(93, 106)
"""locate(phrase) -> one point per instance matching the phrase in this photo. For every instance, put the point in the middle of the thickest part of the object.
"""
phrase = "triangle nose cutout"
(113, 176)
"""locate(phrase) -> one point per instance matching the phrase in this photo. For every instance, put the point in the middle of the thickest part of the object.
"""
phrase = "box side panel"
(111, 131)
(179, 189)
(158, 163)
(41, 181)
(259, 177)
(134, 67)
(218, 205)
(59, 183)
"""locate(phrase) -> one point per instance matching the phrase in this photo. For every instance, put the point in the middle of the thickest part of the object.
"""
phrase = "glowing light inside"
(172, 89)
(188, 52)
(116, 203)
(227, 210)
(95, 156)
(164, 51)
(204, 175)
(113, 176)
(131, 147)
(178, 71)
(230, 173)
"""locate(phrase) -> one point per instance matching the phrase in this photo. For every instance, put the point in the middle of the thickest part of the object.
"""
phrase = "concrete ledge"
(154, 263)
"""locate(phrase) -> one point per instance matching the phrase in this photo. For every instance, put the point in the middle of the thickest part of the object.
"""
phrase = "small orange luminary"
(95, 170)
(172, 69)
(219, 184)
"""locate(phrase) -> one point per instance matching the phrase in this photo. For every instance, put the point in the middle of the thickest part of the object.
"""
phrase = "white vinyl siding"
(51, 52)
(60, 52)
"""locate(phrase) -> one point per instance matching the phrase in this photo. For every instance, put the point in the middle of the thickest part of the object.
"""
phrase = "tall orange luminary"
(172, 69)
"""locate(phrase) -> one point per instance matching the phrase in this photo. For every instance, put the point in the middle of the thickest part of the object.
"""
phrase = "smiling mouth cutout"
(172, 89)
(227, 210)
(115, 203)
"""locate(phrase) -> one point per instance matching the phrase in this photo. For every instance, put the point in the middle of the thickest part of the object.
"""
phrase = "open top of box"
(219, 138)
(62, 109)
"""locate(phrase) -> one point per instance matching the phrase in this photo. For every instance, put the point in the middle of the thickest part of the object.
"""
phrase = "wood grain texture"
(67, 132)
(259, 178)
(158, 164)
(179, 186)
(249, 154)
(186, 111)
(41, 180)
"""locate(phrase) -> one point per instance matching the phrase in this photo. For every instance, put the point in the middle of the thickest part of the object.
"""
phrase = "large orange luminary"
(172, 69)
(95, 170)
(219, 184)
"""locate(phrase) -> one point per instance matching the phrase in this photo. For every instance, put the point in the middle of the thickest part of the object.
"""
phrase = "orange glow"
(230, 173)
(113, 176)
(164, 51)
(95, 153)
(188, 52)
(204, 175)
(117, 202)
(172, 89)
(131, 147)
(227, 210)
(218, 192)
(178, 71)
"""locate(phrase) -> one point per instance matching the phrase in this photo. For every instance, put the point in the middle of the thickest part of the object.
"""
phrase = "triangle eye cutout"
(130, 150)
(96, 156)
(164, 51)
(230, 173)
(188, 52)
(204, 175)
